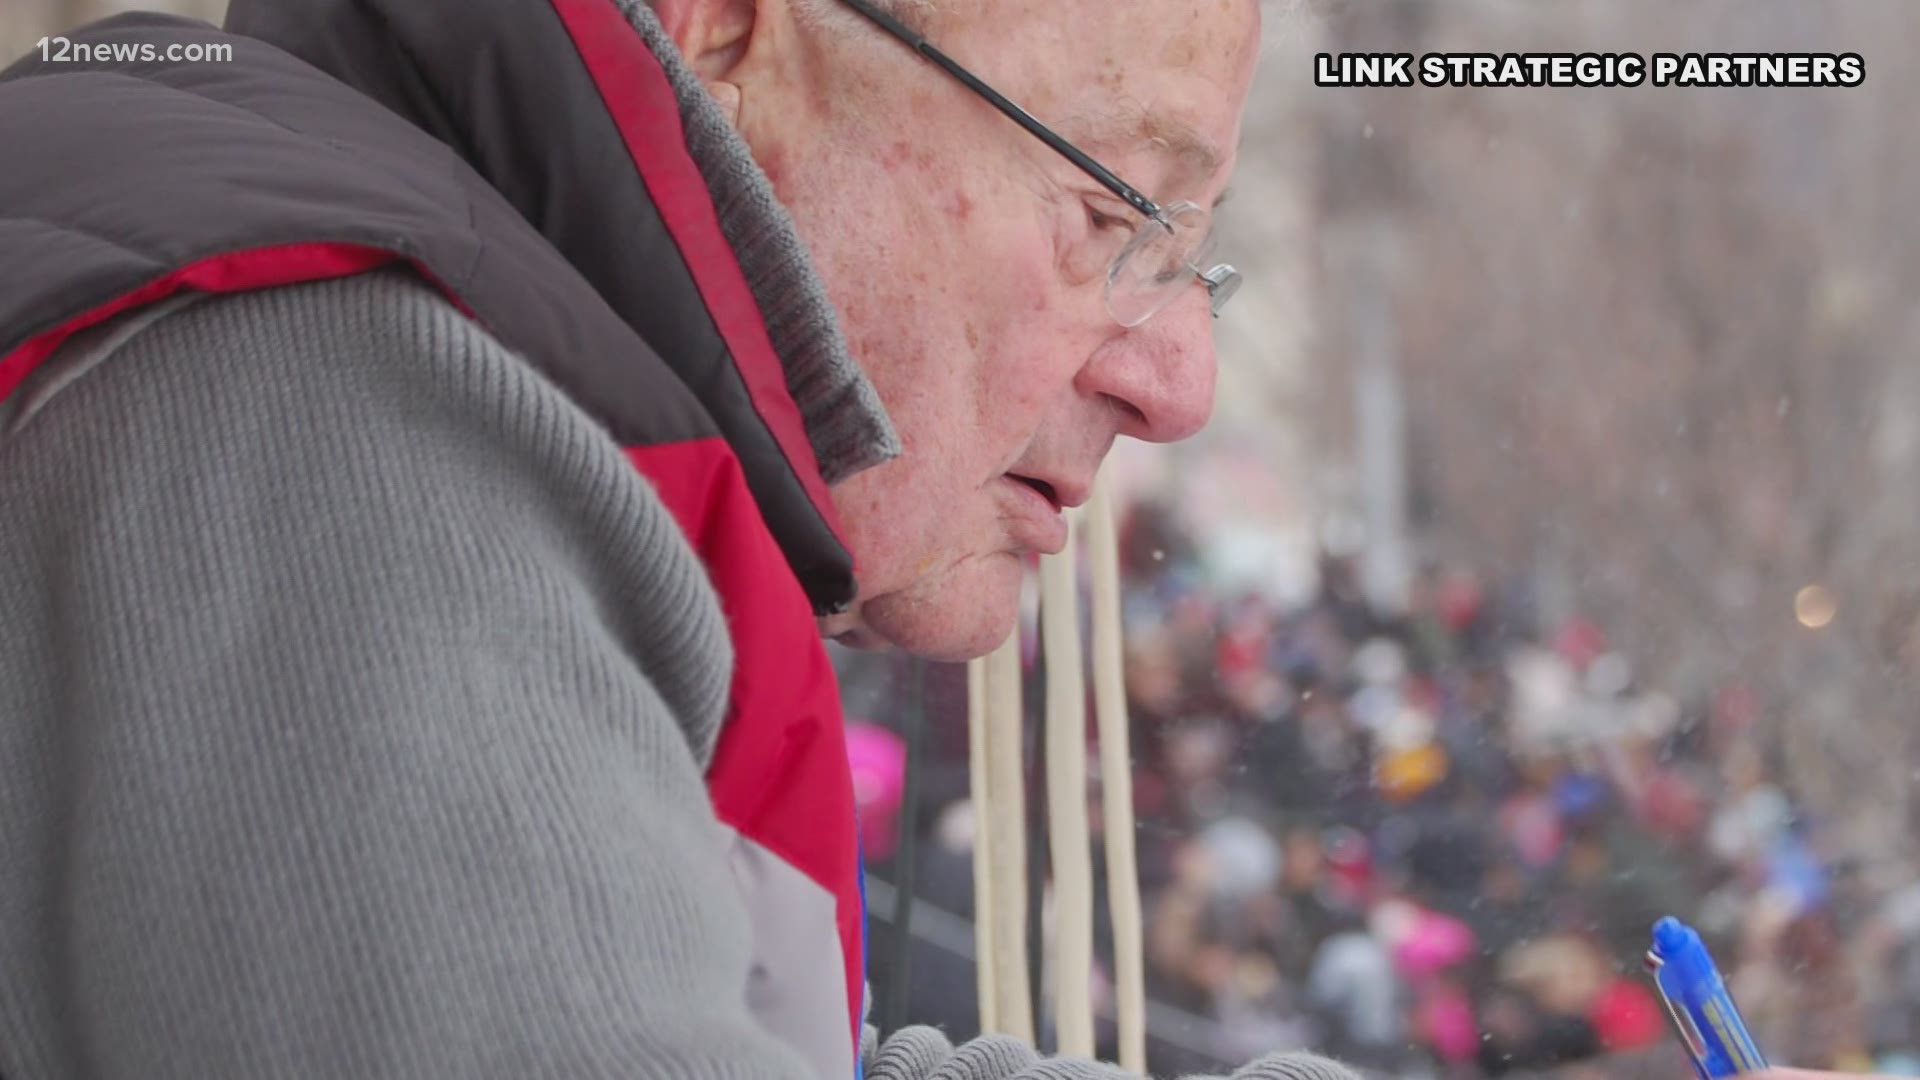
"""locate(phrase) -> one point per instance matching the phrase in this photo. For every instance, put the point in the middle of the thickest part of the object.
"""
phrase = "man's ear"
(711, 34)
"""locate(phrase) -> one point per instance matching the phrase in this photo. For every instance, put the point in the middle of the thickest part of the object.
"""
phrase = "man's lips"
(1036, 521)
(1046, 490)
(1064, 488)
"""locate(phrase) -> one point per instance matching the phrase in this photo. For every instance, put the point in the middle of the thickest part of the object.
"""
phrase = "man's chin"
(959, 617)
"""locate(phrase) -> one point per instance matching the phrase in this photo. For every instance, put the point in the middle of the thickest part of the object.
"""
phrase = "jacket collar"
(582, 114)
(845, 421)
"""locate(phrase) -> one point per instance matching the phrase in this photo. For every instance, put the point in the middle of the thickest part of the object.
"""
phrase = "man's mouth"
(1045, 489)
(1035, 519)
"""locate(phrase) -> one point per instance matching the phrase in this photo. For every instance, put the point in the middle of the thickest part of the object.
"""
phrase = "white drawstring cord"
(994, 721)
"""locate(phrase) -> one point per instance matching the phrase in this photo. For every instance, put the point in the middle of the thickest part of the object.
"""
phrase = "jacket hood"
(585, 118)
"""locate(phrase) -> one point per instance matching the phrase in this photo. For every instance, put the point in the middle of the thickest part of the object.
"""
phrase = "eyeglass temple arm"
(1013, 112)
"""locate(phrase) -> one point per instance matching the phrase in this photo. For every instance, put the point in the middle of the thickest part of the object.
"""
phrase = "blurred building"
(25, 22)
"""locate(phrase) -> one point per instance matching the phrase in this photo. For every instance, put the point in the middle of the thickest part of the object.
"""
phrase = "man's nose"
(1161, 372)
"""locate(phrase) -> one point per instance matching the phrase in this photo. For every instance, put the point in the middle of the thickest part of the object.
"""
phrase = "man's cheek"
(927, 564)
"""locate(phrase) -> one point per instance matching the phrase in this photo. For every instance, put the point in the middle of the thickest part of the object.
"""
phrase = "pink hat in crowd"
(879, 761)
(1432, 944)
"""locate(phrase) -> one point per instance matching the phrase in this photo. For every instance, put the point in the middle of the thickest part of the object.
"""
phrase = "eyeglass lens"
(1160, 263)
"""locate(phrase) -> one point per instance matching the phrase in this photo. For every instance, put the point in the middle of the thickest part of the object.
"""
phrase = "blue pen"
(1698, 1003)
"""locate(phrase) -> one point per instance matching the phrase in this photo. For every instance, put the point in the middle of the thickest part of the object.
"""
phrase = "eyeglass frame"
(1221, 280)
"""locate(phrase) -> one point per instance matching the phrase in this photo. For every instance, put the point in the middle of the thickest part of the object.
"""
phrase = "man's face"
(968, 261)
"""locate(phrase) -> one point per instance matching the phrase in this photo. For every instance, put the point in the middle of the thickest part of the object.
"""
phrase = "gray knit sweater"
(357, 694)
(357, 698)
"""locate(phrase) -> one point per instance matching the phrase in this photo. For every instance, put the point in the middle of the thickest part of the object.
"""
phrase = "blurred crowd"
(1433, 841)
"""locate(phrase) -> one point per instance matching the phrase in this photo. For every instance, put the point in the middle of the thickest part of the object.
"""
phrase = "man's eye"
(1102, 221)
(1088, 254)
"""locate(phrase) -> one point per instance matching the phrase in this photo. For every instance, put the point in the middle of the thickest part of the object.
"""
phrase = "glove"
(923, 1053)
(1294, 1065)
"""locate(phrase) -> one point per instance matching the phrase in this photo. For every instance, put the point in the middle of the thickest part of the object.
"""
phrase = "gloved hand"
(923, 1053)
(1292, 1065)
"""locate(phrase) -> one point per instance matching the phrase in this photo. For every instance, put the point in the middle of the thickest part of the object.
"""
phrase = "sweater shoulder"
(389, 318)
(386, 420)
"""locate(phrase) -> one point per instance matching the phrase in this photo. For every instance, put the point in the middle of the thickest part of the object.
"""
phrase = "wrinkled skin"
(968, 261)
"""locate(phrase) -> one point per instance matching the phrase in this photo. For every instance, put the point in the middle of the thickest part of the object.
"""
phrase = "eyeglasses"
(1172, 250)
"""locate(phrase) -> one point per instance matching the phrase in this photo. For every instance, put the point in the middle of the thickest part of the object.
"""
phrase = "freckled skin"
(1183, 50)
(956, 247)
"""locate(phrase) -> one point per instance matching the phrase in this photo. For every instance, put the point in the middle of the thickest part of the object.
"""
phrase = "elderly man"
(435, 435)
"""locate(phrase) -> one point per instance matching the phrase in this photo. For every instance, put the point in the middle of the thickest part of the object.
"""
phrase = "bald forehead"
(1129, 78)
(1075, 12)
(1096, 35)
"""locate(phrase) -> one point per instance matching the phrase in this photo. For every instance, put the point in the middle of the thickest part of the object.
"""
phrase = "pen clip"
(1683, 1025)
